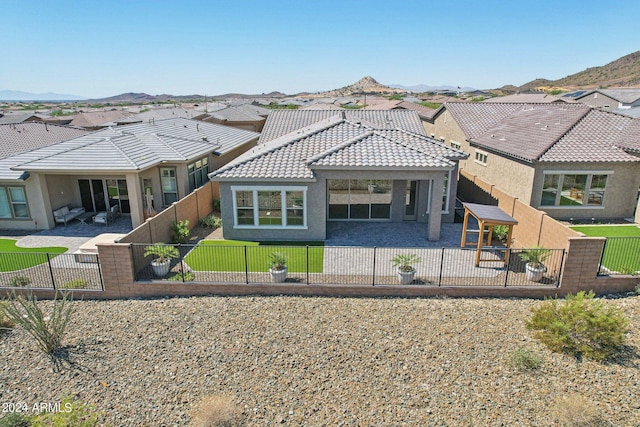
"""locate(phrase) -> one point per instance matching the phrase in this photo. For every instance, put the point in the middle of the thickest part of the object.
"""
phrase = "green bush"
(19, 281)
(181, 231)
(14, 419)
(580, 326)
(211, 221)
(215, 204)
(187, 276)
(501, 232)
(47, 331)
(523, 358)
(75, 284)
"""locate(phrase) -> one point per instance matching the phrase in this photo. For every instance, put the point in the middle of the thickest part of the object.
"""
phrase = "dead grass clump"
(217, 411)
(575, 410)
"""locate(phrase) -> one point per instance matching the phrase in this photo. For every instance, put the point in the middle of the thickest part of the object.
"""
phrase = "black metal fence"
(41, 270)
(620, 256)
(348, 265)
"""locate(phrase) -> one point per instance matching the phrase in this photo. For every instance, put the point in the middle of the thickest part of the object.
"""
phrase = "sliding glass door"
(359, 199)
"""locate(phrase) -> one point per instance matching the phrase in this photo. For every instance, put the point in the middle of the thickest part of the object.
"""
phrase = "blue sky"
(98, 48)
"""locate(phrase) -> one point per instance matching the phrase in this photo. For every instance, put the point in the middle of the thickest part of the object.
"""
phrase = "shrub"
(215, 204)
(523, 358)
(581, 326)
(277, 261)
(501, 232)
(181, 231)
(637, 289)
(47, 331)
(217, 411)
(404, 262)
(72, 414)
(5, 322)
(211, 221)
(187, 276)
(161, 251)
(14, 419)
(19, 281)
(576, 411)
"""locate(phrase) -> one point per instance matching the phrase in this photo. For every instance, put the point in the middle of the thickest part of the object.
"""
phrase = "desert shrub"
(523, 358)
(5, 322)
(575, 410)
(211, 221)
(14, 419)
(19, 281)
(217, 411)
(187, 276)
(500, 232)
(75, 284)
(580, 326)
(215, 205)
(47, 331)
(181, 231)
(72, 413)
(637, 289)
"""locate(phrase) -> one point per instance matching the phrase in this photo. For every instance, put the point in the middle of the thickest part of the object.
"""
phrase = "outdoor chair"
(107, 217)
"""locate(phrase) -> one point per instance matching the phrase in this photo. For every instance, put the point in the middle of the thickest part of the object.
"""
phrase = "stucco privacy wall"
(535, 228)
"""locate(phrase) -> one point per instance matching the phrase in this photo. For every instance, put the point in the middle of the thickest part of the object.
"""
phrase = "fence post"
(181, 261)
(562, 265)
(604, 250)
(53, 280)
(507, 254)
(441, 267)
(373, 279)
(246, 266)
(307, 269)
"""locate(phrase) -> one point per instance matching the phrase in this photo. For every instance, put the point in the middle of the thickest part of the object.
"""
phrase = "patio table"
(85, 216)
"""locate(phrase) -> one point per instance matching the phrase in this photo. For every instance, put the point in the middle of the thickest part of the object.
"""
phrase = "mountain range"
(623, 72)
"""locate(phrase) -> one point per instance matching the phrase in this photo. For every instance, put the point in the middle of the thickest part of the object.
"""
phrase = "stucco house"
(569, 160)
(314, 166)
(611, 99)
(115, 166)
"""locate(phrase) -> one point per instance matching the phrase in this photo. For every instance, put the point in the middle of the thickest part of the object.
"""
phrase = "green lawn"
(229, 255)
(622, 252)
(14, 258)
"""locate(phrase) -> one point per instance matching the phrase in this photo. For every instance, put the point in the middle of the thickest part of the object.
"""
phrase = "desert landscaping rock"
(317, 361)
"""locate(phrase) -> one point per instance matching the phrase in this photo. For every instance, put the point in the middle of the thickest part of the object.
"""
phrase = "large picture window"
(359, 199)
(573, 189)
(197, 172)
(270, 207)
(169, 185)
(13, 203)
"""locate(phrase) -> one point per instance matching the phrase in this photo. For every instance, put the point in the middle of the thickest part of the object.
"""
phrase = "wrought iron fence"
(620, 256)
(42, 270)
(206, 263)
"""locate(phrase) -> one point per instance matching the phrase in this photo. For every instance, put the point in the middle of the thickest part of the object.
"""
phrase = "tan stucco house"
(115, 166)
(569, 160)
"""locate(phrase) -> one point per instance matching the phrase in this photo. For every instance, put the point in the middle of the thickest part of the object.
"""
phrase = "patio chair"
(107, 217)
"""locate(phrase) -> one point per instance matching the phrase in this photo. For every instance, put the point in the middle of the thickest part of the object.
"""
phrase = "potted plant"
(163, 254)
(534, 257)
(278, 267)
(406, 270)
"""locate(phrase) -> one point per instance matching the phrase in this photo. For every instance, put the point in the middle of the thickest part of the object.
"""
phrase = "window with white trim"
(456, 145)
(13, 203)
(574, 189)
(169, 185)
(481, 157)
(269, 207)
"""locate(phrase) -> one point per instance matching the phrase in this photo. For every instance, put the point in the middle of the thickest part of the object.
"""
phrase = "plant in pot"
(163, 254)
(535, 257)
(278, 267)
(404, 264)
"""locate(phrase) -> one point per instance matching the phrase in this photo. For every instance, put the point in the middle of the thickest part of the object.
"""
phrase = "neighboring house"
(241, 118)
(351, 166)
(520, 98)
(169, 158)
(21, 117)
(611, 98)
(95, 120)
(425, 113)
(160, 114)
(23, 137)
(569, 160)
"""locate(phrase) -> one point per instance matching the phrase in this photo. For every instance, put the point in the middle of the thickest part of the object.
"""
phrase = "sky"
(95, 48)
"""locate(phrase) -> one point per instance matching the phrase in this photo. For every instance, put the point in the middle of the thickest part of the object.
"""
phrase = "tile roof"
(322, 106)
(15, 118)
(625, 95)
(18, 138)
(234, 114)
(282, 122)
(99, 118)
(341, 143)
(527, 134)
(130, 148)
(596, 138)
(630, 138)
(541, 98)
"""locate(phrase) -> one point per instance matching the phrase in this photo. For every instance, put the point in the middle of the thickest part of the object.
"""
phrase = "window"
(573, 189)
(456, 145)
(481, 157)
(13, 203)
(359, 199)
(270, 207)
(445, 193)
(169, 185)
(198, 172)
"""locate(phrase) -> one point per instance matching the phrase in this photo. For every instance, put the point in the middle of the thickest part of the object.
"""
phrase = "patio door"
(411, 201)
(92, 195)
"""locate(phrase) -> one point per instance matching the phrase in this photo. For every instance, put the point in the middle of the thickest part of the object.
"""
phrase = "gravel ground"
(317, 361)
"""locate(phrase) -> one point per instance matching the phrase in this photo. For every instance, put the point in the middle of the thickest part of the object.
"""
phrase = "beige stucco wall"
(599, 100)
(445, 127)
(620, 197)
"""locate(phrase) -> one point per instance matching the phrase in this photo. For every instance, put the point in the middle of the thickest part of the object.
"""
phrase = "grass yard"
(229, 255)
(14, 258)
(620, 254)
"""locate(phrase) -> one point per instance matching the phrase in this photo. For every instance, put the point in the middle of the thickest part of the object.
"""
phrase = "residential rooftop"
(28, 136)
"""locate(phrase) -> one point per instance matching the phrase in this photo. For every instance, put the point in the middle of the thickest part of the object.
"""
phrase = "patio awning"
(487, 216)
